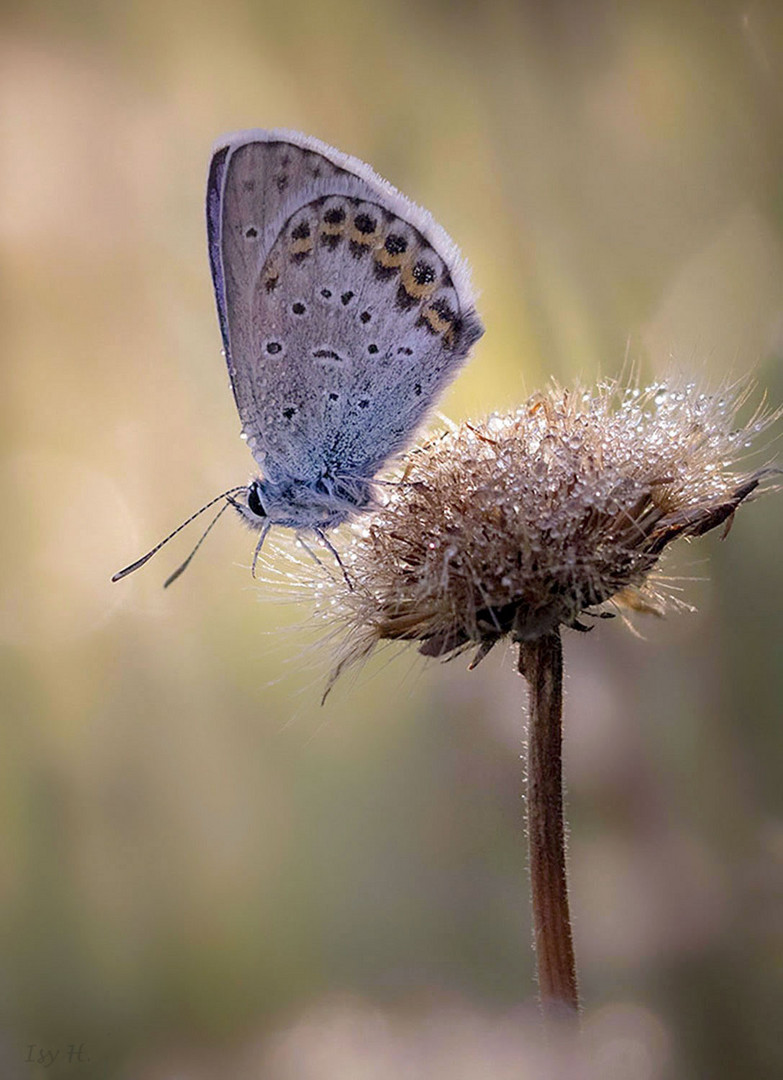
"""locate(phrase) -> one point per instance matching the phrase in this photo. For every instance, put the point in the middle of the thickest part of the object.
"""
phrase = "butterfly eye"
(254, 501)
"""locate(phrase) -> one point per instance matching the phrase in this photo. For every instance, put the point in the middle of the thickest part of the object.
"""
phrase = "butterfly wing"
(344, 308)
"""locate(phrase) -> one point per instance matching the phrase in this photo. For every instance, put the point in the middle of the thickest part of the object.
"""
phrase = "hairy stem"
(541, 663)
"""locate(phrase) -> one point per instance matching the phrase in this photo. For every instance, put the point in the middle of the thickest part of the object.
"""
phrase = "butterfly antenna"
(145, 558)
(181, 569)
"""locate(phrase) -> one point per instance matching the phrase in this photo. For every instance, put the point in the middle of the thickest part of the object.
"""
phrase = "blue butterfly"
(344, 309)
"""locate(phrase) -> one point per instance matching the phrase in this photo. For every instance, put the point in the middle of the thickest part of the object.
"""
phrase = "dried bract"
(525, 522)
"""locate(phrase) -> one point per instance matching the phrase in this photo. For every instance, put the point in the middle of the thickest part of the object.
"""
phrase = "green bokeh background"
(203, 873)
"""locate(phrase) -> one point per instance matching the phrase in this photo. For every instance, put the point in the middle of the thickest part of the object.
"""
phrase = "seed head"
(520, 523)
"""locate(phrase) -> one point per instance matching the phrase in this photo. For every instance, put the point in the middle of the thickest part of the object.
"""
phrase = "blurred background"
(203, 873)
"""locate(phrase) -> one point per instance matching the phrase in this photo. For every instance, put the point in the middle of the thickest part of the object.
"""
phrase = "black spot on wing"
(443, 308)
(396, 244)
(423, 273)
(365, 224)
(404, 300)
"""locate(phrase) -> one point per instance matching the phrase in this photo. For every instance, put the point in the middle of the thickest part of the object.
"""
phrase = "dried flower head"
(521, 523)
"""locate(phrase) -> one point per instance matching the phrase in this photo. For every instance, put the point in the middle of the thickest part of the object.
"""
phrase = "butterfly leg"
(259, 545)
(309, 551)
(330, 547)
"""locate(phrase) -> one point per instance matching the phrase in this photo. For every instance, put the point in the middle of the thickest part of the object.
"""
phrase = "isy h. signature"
(73, 1054)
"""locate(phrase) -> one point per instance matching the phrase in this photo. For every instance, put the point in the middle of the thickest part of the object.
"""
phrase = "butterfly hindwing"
(344, 308)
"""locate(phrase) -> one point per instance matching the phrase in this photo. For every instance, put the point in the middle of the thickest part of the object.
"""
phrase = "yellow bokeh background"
(203, 872)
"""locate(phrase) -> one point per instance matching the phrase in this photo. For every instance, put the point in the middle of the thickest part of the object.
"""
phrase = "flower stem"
(541, 663)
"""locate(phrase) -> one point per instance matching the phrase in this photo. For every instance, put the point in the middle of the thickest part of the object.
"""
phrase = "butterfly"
(344, 311)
